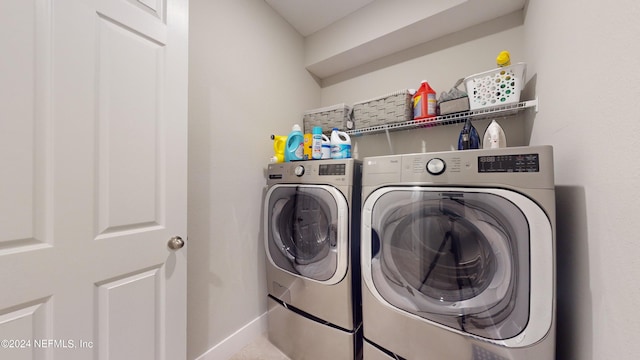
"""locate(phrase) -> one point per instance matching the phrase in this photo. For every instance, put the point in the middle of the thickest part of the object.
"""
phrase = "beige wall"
(247, 81)
(586, 56)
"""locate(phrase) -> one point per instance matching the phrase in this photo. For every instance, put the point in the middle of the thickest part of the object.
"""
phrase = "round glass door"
(452, 260)
(303, 230)
(457, 258)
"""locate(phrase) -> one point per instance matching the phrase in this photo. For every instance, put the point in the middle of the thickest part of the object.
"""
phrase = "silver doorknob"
(175, 243)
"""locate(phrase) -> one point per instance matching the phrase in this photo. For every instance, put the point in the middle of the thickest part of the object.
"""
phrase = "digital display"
(333, 169)
(509, 163)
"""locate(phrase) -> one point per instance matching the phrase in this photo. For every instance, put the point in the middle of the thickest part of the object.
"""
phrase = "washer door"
(307, 231)
(461, 258)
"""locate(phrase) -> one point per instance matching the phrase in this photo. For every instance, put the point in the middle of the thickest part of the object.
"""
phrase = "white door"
(93, 128)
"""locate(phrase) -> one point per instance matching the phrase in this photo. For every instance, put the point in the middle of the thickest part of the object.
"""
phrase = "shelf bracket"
(386, 130)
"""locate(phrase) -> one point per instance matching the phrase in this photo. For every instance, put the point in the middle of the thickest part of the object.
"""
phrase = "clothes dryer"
(458, 255)
(312, 243)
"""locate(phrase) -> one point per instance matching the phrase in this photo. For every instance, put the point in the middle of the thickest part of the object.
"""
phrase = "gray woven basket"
(391, 108)
(335, 116)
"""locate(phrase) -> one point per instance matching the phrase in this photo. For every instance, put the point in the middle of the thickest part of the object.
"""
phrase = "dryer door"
(462, 258)
(307, 231)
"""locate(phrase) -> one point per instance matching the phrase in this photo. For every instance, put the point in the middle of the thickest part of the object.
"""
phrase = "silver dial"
(299, 170)
(436, 166)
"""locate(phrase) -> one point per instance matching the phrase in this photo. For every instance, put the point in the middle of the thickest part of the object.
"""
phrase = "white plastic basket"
(496, 87)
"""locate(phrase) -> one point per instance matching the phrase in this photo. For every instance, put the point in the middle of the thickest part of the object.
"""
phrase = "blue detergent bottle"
(294, 149)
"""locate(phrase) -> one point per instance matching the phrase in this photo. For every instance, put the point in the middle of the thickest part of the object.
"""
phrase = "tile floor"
(261, 349)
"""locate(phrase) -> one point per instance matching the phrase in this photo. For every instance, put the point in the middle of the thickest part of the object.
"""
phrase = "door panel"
(129, 327)
(129, 124)
(24, 136)
(22, 324)
(93, 185)
(146, 17)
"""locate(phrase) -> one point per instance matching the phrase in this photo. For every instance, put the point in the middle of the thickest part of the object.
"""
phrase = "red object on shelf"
(424, 102)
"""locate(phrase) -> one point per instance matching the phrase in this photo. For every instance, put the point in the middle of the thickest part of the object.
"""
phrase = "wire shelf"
(503, 110)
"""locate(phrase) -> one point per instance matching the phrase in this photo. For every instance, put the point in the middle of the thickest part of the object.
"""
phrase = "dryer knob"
(299, 170)
(436, 166)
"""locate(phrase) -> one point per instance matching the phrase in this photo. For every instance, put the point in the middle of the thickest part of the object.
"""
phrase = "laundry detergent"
(294, 149)
(340, 144)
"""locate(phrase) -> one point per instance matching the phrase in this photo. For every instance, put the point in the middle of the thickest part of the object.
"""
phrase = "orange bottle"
(424, 102)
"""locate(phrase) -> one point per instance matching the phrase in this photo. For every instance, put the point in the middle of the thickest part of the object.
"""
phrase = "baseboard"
(236, 341)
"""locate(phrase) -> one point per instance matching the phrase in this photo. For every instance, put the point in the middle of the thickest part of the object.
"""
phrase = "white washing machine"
(458, 255)
(311, 228)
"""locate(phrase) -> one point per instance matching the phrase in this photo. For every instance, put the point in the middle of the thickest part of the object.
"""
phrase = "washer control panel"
(333, 172)
(332, 169)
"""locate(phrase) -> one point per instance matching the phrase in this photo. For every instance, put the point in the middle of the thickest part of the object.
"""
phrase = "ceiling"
(309, 16)
(341, 35)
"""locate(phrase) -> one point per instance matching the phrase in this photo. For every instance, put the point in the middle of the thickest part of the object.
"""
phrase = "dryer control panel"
(526, 167)
(509, 163)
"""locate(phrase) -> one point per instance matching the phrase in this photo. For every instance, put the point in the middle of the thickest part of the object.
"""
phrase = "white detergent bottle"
(494, 137)
(326, 147)
(340, 144)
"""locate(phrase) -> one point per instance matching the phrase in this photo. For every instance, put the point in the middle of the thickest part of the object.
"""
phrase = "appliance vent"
(484, 354)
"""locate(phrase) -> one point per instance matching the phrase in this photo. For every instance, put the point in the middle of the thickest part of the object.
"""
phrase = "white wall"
(586, 56)
(246, 81)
